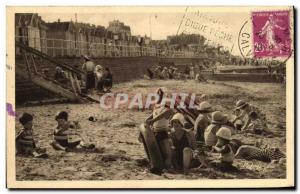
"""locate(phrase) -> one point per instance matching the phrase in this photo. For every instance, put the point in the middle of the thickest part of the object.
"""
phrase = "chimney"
(58, 20)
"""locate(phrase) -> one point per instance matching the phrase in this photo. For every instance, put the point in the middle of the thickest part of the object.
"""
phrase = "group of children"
(212, 130)
(177, 140)
(172, 72)
(166, 72)
(65, 136)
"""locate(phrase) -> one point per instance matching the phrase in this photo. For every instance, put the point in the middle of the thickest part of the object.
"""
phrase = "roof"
(29, 19)
(116, 27)
(60, 26)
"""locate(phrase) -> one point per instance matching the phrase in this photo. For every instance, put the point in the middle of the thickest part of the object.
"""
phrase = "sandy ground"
(115, 134)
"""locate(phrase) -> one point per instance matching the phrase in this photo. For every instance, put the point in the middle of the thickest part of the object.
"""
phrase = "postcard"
(150, 97)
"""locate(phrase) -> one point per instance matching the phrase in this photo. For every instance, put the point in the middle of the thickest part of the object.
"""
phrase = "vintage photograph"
(131, 94)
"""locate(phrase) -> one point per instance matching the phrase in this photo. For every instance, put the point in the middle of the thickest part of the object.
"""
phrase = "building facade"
(30, 30)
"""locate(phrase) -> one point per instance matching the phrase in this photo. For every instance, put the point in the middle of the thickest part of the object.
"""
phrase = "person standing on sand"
(107, 80)
(192, 72)
(99, 78)
(89, 67)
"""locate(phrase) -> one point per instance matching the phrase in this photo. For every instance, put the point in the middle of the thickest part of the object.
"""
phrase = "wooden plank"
(27, 65)
(90, 98)
(77, 84)
(72, 83)
(33, 63)
(55, 88)
(51, 84)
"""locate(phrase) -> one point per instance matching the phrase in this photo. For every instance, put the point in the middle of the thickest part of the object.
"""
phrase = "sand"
(120, 156)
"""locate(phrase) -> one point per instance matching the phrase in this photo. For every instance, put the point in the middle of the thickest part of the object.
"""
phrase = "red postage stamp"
(271, 32)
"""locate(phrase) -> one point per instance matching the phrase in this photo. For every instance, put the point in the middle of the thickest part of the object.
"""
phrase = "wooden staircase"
(34, 61)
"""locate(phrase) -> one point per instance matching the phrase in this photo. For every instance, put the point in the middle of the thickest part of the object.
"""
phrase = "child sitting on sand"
(25, 143)
(256, 126)
(183, 145)
(224, 148)
(64, 138)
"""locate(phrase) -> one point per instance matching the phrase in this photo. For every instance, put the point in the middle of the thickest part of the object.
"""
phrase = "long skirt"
(90, 80)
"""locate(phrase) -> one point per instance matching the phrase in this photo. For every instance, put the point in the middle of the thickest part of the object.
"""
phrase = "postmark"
(271, 34)
(245, 41)
(215, 29)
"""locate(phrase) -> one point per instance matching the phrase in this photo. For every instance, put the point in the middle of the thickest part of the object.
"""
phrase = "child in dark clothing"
(185, 155)
(107, 80)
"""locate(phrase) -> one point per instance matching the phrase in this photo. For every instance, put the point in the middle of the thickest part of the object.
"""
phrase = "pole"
(150, 27)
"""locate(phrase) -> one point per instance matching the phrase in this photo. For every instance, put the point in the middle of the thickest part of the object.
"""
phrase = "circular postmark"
(245, 41)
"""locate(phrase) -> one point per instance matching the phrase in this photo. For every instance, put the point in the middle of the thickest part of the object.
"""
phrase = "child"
(107, 80)
(60, 75)
(203, 120)
(256, 126)
(244, 109)
(25, 143)
(99, 78)
(65, 138)
(183, 145)
(224, 148)
(218, 120)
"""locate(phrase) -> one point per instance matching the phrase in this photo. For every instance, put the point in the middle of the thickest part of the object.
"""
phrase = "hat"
(62, 115)
(217, 117)
(224, 133)
(240, 104)
(179, 117)
(25, 118)
(98, 67)
(86, 57)
(205, 106)
(58, 68)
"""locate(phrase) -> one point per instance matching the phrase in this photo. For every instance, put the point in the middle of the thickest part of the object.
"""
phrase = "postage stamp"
(271, 33)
